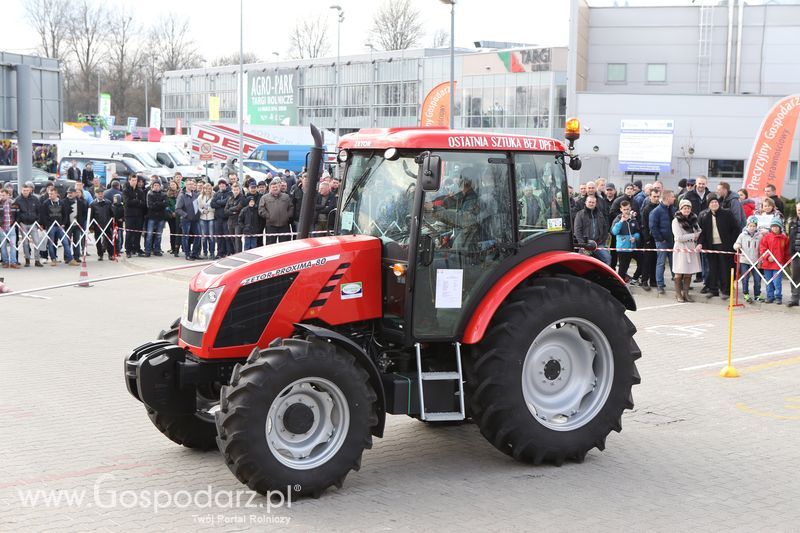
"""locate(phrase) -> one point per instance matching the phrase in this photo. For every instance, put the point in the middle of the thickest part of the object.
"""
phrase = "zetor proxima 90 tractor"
(447, 289)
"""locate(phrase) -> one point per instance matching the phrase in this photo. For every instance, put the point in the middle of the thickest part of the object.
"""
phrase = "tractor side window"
(541, 203)
(467, 230)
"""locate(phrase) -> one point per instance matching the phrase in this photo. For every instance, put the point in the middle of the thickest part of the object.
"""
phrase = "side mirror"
(431, 173)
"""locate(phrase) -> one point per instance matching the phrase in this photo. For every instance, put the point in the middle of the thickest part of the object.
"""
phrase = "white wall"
(722, 127)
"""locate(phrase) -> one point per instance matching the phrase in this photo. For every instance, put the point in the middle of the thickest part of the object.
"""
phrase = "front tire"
(296, 417)
(554, 370)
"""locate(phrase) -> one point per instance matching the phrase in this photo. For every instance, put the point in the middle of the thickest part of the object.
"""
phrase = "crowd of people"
(205, 221)
(695, 231)
(699, 233)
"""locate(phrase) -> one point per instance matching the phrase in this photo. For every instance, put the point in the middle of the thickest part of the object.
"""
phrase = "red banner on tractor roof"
(435, 110)
(770, 155)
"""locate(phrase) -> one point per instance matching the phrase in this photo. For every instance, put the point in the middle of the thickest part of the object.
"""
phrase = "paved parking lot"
(698, 452)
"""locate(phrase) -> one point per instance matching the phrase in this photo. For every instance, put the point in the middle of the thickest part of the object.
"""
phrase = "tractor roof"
(446, 139)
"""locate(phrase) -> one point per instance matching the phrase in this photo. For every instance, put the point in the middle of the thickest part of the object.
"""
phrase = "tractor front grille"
(250, 311)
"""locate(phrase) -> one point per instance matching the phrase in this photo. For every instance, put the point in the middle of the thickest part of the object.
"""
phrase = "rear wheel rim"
(327, 431)
(567, 374)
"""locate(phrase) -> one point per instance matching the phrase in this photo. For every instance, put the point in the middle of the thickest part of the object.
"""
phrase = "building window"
(729, 169)
(792, 178)
(656, 73)
(616, 73)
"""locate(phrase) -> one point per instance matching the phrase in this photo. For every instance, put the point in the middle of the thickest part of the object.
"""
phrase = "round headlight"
(342, 156)
(391, 154)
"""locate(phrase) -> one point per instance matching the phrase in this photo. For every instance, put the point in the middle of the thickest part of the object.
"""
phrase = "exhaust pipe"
(314, 171)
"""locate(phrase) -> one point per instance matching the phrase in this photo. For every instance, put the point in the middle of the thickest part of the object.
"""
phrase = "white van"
(112, 149)
(174, 159)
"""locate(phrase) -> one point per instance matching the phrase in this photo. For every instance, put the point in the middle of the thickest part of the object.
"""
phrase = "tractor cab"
(451, 217)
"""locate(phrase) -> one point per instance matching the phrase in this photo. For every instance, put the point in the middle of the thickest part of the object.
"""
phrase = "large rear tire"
(196, 431)
(296, 418)
(554, 371)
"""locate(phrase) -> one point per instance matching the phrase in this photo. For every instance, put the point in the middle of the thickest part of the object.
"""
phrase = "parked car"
(123, 166)
(40, 180)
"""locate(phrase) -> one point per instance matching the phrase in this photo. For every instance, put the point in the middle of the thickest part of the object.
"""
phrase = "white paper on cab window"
(449, 283)
(347, 221)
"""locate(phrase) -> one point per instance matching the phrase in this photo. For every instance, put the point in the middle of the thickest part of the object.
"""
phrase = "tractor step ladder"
(443, 416)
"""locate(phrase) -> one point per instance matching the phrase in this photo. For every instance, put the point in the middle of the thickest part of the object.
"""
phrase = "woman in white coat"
(686, 258)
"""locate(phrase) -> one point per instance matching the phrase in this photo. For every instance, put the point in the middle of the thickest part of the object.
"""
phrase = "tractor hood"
(262, 293)
(278, 259)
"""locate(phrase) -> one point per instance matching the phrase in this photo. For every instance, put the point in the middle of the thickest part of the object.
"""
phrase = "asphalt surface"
(698, 451)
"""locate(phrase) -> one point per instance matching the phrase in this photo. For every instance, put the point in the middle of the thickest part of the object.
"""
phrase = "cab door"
(466, 229)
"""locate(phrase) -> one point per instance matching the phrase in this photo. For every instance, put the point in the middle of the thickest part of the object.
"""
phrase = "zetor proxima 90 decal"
(289, 269)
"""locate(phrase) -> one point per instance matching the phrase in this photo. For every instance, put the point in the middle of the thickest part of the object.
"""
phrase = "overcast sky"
(215, 24)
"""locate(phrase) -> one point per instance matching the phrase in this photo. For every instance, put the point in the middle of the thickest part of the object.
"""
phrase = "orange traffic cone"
(84, 274)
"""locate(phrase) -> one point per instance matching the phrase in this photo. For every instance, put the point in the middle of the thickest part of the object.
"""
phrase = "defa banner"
(646, 145)
(272, 97)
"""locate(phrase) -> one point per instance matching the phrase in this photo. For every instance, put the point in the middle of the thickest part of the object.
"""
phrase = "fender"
(363, 359)
(580, 264)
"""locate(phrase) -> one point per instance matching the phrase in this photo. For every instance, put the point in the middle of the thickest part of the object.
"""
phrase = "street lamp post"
(338, 8)
(452, 4)
(241, 91)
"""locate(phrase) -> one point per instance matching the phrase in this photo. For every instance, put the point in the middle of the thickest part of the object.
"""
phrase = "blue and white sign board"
(646, 145)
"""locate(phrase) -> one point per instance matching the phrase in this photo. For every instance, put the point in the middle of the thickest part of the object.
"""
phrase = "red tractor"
(447, 289)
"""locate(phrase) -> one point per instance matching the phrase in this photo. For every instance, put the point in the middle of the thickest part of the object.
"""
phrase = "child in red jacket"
(778, 244)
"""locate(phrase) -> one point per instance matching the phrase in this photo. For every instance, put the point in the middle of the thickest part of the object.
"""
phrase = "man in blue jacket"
(661, 230)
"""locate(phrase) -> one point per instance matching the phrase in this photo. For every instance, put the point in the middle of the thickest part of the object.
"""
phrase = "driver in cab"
(459, 210)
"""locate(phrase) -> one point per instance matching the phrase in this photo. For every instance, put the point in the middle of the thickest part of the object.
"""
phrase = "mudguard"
(579, 264)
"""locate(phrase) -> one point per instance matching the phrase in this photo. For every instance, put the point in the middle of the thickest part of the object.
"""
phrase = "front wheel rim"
(567, 374)
(327, 429)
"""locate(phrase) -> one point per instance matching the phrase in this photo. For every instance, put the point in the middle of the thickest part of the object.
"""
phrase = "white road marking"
(693, 331)
(659, 306)
(738, 359)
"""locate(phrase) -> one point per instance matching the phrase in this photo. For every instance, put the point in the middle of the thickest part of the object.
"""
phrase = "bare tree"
(397, 25)
(308, 39)
(441, 38)
(172, 44)
(233, 59)
(51, 19)
(124, 61)
(87, 42)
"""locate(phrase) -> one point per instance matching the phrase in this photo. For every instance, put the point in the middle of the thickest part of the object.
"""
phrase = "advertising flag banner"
(435, 110)
(770, 155)
(155, 118)
(104, 105)
(213, 108)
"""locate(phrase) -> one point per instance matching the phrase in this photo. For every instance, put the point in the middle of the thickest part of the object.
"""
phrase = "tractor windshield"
(378, 197)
